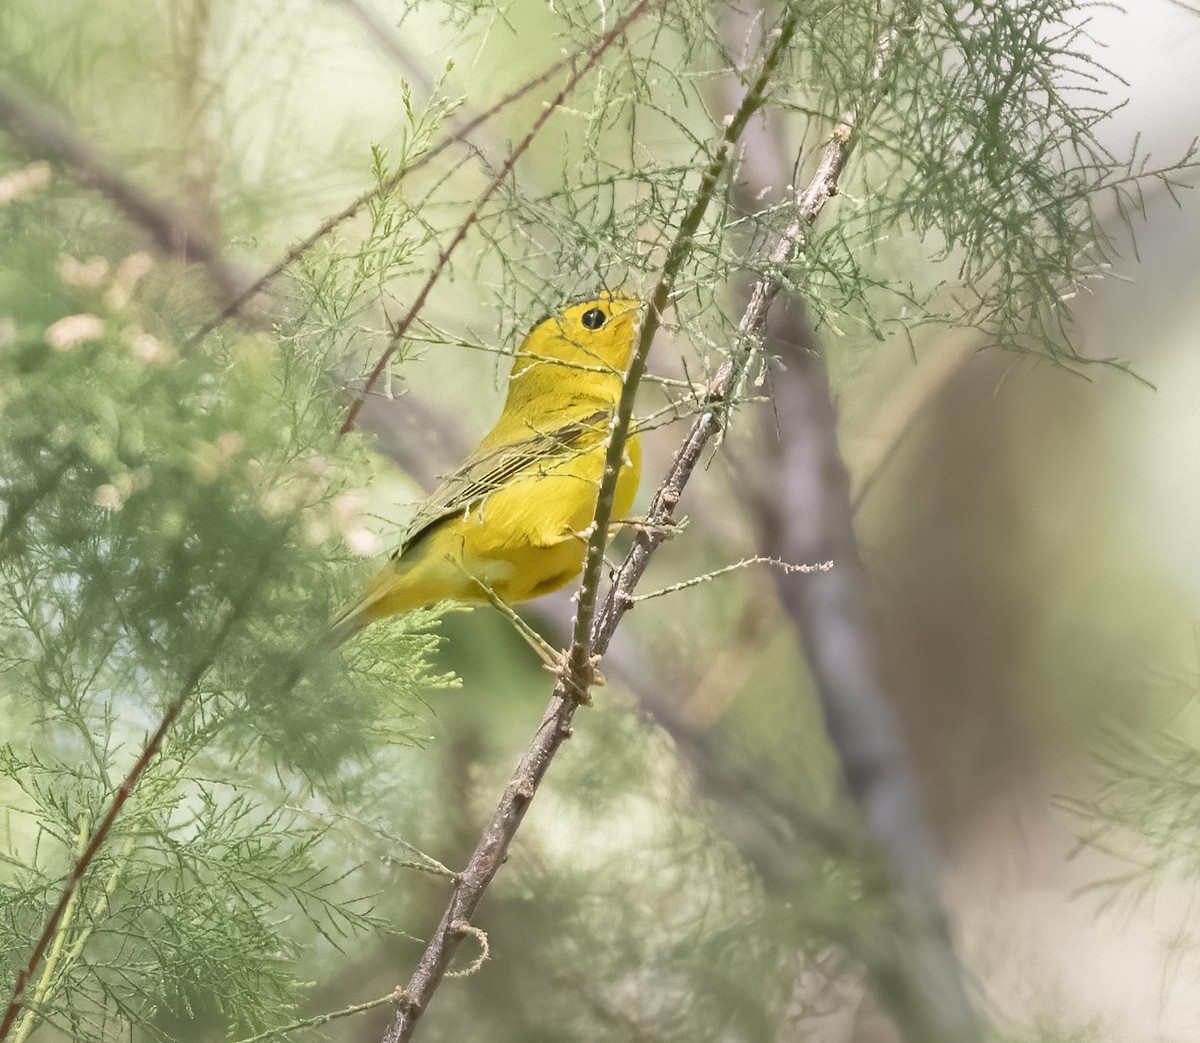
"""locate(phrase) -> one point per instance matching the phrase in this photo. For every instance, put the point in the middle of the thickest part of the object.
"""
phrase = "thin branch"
(745, 563)
(576, 673)
(186, 689)
(322, 1019)
(439, 266)
(387, 39)
(51, 981)
(46, 134)
(300, 248)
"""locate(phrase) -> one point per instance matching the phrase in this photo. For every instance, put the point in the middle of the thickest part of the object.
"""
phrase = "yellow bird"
(515, 514)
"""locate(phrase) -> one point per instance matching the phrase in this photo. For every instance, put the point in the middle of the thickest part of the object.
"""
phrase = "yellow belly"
(522, 541)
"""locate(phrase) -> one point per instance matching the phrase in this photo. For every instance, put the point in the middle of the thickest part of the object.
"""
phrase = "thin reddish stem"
(402, 326)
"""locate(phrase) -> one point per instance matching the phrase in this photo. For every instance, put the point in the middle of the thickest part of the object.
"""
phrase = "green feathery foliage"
(176, 514)
(172, 510)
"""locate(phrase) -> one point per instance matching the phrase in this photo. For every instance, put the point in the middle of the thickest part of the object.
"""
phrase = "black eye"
(593, 319)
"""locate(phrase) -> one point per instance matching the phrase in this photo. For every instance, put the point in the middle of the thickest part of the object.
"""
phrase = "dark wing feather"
(491, 467)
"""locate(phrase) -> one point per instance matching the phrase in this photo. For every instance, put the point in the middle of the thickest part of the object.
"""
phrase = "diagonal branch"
(439, 266)
(186, 690)
(46, 134)
(388, 41)
(300, 248)
(576, 673)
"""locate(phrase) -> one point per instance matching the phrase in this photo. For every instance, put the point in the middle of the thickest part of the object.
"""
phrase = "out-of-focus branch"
(300, 248)
(388, 41)
(421, 439)
(807, 514)
(45, 134)
(943, 358)
(899, 411)
(809, 519)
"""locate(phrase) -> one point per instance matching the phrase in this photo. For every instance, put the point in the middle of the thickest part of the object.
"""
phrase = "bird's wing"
(497, 462)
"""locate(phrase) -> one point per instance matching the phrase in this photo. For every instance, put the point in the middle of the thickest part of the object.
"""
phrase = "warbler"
(514, 516)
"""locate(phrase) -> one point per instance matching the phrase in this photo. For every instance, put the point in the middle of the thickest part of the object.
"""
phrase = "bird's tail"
(346, 626)
(388, 594)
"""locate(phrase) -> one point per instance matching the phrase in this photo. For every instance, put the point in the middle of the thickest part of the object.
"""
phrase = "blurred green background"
(1029, 535)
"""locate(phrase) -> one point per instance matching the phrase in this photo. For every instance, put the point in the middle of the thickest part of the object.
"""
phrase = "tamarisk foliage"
(212, 826)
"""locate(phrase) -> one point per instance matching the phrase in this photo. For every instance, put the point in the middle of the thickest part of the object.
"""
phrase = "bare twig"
(321, 1019)
(46, 134)
(757, 559)
(577, 671)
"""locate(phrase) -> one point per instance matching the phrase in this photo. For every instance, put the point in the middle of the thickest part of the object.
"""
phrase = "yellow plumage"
(515, 513)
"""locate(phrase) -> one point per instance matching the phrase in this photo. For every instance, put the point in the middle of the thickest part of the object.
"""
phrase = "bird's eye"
(593, 319)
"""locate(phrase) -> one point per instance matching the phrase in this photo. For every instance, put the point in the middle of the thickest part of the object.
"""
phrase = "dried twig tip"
(463, 928)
